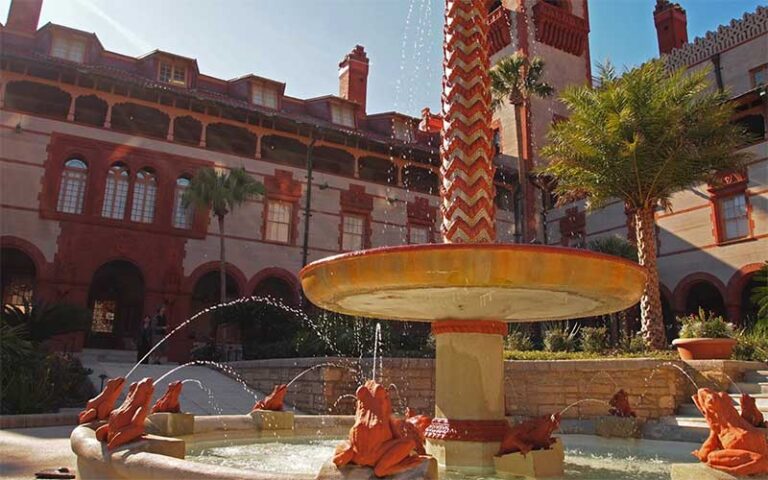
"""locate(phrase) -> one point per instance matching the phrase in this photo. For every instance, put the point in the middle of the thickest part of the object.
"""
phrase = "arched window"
(72, 186)
(182, 216)
(115, 192)
(144, 193)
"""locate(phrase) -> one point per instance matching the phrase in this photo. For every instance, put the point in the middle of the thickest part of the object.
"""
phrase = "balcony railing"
(560, 29)
(499, 30)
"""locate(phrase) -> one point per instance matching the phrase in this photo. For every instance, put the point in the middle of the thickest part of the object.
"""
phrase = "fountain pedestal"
(469, 418)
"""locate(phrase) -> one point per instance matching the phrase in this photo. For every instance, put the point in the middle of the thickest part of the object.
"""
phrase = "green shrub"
(705, 325)
(557, 338)
(542, 355)
(518, 340)
(44, 320)
(594, 339)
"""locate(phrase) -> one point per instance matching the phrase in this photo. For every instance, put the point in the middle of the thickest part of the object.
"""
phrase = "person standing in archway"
(145, 339)
(159, 330)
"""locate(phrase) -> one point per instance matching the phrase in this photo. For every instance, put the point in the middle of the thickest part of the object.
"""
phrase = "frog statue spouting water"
(273, 401)
(750, 412)
(375, 440)
(534, 434)
(169, 402)
(98, 407)
(733, 446)
(620, 406)
(126, 423)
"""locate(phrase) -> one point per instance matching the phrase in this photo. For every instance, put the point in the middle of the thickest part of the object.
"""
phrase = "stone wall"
(656, 388)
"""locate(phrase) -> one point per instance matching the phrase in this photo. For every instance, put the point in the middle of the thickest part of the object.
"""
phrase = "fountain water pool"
(586, 456)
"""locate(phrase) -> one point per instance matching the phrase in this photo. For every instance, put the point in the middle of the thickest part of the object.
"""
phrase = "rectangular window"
(175, 74)
(418, 234)
(352, 233)
(279, 215)
(759, 75)
(103, 316)
(182, 216)
(18, 291)
(264, 95)
(402, 131)
(342, 115)
(68, 48)
(734, 221)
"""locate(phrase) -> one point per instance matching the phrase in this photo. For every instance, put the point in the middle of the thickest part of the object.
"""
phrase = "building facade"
(97, 149)
(715, 237)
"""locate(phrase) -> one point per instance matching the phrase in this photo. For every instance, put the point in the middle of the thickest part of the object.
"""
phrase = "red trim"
(29, 249)
(467, 430)
(282, 187)
(680, 295)
(275, 272)
(213, 266)
(728, 185)
(469, 326)
(737, 282)
(356, 202)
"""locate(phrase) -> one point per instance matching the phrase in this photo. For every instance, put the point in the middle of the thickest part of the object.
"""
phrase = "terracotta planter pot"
(704, 348)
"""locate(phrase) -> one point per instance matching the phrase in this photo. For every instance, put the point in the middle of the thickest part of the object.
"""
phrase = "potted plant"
(705, 336)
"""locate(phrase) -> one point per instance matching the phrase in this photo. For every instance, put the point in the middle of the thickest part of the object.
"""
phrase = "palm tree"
(619, 247)
(221, 192)
(759, 294)
(640, 138)
(516, 79)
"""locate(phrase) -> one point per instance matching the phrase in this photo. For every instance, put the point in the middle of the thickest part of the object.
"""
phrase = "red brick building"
(96, 149)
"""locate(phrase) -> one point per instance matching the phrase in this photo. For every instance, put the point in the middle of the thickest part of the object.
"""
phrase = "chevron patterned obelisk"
(467, 190)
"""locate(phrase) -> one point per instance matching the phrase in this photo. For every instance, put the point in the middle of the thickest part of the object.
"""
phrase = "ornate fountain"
(469, 288)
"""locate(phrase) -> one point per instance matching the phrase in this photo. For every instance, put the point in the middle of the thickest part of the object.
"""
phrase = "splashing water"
(318, 366)
(584, 400)
(376, 344)
(225, 368)
(240, 301)
(341, 397)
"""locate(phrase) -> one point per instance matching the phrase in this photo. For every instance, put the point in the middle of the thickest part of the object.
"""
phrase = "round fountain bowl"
(512, 283)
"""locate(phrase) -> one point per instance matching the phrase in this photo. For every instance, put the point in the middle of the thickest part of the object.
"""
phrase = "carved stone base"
(464, 456)
(427, 470)
(699, 471)
(170, 424)
(536, 464)
(620, 427)
(270, 420)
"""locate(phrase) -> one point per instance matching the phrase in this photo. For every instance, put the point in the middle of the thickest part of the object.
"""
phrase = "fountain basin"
(501, 282)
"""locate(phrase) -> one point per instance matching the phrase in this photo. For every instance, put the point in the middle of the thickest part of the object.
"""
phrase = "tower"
(671, 25)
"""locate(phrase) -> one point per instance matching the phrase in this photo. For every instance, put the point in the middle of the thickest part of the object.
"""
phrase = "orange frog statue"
(413, 427)
(620, 406)
(534, 434)
(98, 407)
(169, 402)
(126, 423)
(273, 401)
(734, 446)
(750, 412)
(375, 440)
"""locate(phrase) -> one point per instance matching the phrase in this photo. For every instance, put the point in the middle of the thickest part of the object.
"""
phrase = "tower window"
(264, 95)
(68, 48)
(343, 115)
(144, 193)
(182, 215)
(353, 232)
(115, 192)
(174, 74)
(278, 225)
(72, 187)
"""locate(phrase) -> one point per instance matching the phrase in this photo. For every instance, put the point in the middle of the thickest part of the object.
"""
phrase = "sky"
(300, 42)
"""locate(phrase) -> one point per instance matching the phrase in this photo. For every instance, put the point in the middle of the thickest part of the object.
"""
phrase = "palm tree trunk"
(222, 261)
(521, 176)
(651, 317)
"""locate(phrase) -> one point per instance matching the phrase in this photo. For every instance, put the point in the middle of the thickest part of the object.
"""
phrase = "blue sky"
(300, 42)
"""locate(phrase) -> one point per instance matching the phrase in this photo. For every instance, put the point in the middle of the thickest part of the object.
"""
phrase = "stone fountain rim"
(577, 252)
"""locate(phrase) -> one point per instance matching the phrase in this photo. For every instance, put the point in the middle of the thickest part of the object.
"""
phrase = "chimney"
(24, 15)
(671, 25)
(353, 76)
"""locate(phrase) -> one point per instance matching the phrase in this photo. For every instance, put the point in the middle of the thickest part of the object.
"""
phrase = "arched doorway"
(748, 307)
(277, 288)
(116, 298)
(703, 294)
(206, 293)
(17, 275)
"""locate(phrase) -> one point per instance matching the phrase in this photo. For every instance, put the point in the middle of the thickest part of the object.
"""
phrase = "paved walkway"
(28, 450)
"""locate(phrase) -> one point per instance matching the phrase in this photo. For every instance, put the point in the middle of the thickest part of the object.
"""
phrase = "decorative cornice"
(467, 430)
(488, 327)
(750, 26)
